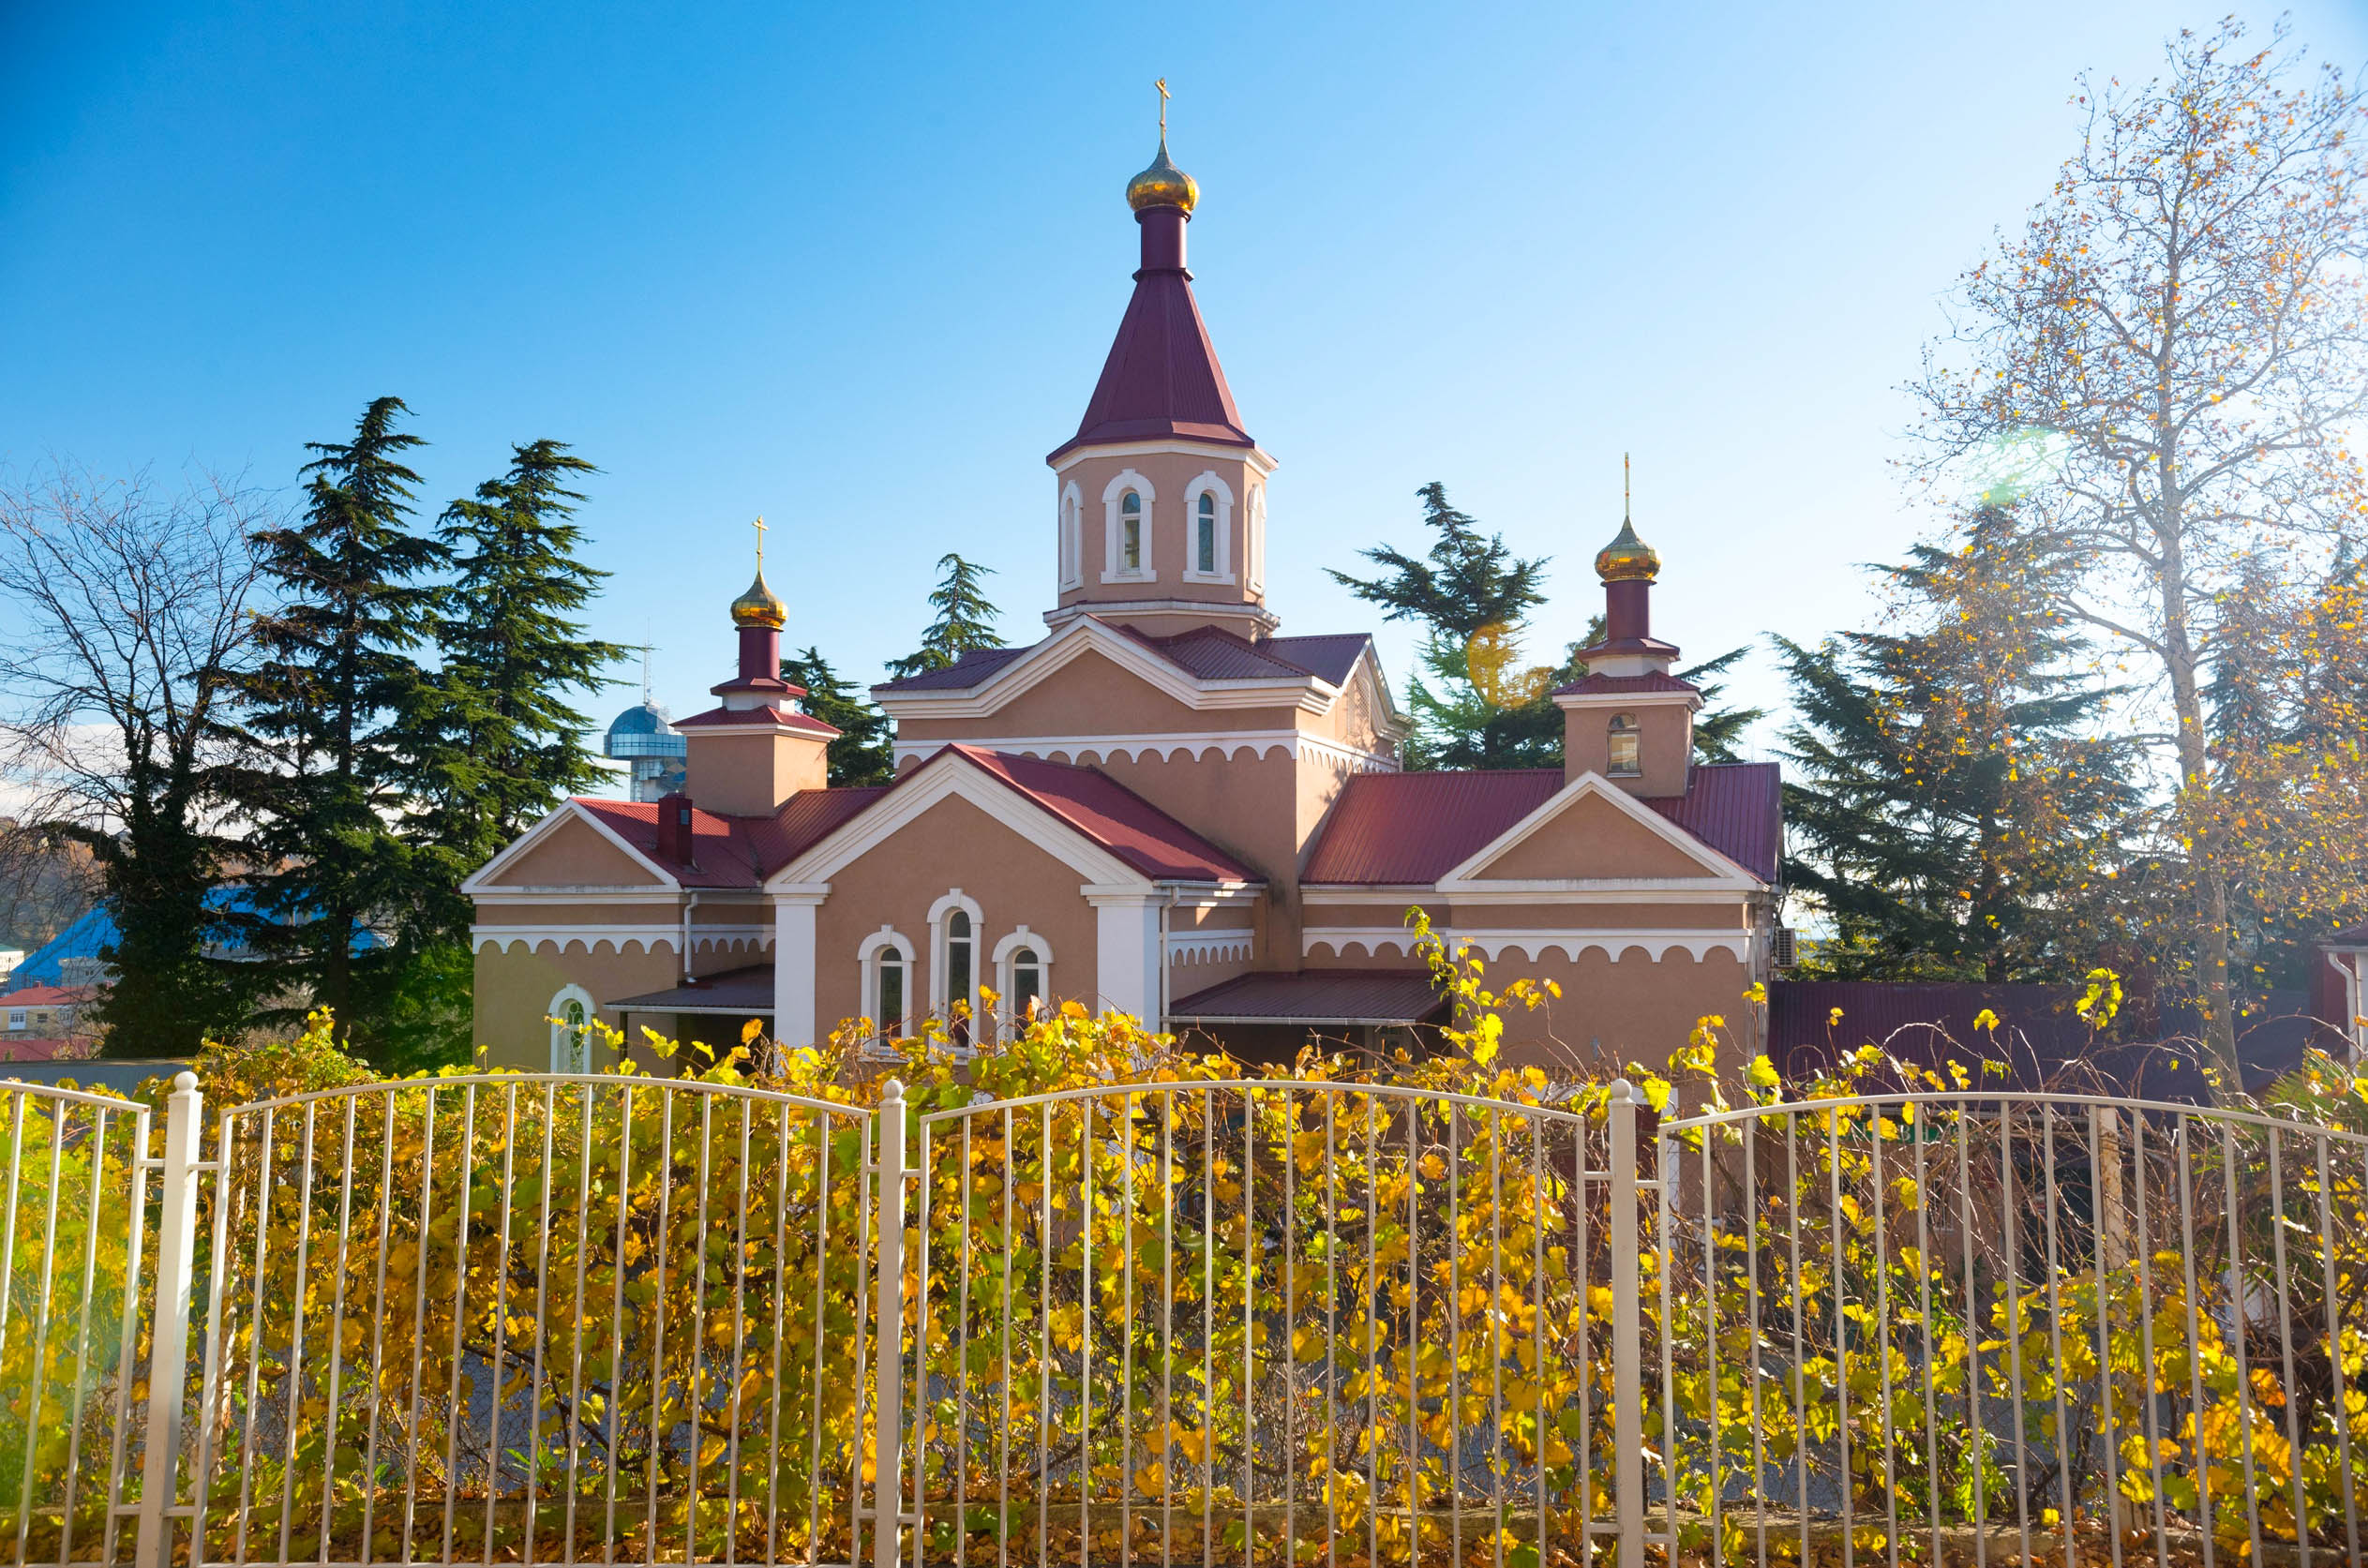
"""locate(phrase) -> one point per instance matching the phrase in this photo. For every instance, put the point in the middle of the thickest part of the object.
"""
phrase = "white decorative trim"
(1146, 569)
(529, 897)
(885, 939)
(1254, 543)
(1207, 947)
(1193, 746)
(1260, 462)
(1711, 891)
(704, 936)
(940, 952)
(943, 777)
(1071, 564)
(795, 971)
(1581, 700)
(503, 938)
(1085, 635)
(1222, 544)
(1005, 950)
(1532, 945)
(548, 825)
(1725, 874)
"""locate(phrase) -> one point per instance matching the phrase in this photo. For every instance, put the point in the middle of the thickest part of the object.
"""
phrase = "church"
(1165, 806)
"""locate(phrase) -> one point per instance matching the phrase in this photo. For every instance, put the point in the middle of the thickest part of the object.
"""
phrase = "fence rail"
(605, 1318)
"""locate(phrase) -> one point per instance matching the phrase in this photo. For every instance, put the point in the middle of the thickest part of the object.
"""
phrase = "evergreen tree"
(1957, 814)
(502, 744)
(324, 711)
(965, 622)
(863, 752)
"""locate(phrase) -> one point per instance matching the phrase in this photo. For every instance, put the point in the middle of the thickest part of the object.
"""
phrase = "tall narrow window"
(958, 968)
(1204, 535)
(1070, 562)
(1130, 532)
(888, 1001)
(1625, 763)
(1027, 984)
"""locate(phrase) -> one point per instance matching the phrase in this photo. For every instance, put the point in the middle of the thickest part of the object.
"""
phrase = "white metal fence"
(525, 1318)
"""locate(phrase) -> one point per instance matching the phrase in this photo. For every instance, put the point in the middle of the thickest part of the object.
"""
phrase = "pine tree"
(323, 713)
(504, 744)
(965, 622)
(1957, 815)
(863, 752)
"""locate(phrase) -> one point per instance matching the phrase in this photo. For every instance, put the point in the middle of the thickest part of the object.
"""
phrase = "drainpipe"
(690, 902)
(1174, 893)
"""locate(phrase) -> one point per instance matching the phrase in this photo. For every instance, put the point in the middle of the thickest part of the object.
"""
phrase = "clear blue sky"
(856, 267)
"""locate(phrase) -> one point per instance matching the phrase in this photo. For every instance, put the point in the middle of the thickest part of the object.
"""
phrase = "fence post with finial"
(169, 1342)
(888, 1467)
(1628, 1329)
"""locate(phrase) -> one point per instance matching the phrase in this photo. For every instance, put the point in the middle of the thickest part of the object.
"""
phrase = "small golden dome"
(760, 606)
(1163, 185)
(1627, 559)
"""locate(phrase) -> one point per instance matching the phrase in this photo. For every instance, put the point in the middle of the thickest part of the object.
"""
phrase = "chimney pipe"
(674, 828)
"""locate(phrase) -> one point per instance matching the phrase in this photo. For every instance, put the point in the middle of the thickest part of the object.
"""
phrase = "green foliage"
(864, 752)
(323, 715)
(498, 744)
(965, 621)
(1957, 813)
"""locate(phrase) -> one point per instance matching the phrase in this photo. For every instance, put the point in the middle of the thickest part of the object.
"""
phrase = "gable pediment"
(1591, 834)
(566, 849)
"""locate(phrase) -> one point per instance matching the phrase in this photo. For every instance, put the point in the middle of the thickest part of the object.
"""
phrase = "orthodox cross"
(1623, 493)
(760, 544)
(1161, 85)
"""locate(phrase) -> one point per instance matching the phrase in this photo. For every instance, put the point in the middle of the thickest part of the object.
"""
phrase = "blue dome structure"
(643, 736)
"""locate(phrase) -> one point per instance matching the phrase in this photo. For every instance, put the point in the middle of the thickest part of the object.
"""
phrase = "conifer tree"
(1957, 813)
(863, 753)
(965, 621)
(502, 744)
(323, 713)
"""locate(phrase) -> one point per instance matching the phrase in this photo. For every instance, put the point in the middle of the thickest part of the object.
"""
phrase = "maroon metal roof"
(721, 856)
(1338, 996)
(803, 723)
(1331, 657)
(1206, 653)
(749, 991)
(1413, 828)
(1612, 684)
(1737, 808)
(1113, 815)
(963, 674)
(804, 822)
(1162, 378)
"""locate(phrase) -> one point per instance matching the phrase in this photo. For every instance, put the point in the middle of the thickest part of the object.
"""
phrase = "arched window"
(1072, 565)
(1127, 502)
(1625, 761)
(959, 969)
(1204, 535)
(887, 968)
(1209, 545)
(953, 962)
(1022, 973)
(571, 1017)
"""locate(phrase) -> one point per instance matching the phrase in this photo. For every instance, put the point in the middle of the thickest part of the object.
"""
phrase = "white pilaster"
(793, 965)
(1127, 949)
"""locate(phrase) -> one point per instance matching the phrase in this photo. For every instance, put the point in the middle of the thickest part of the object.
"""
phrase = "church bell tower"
(1161, 496)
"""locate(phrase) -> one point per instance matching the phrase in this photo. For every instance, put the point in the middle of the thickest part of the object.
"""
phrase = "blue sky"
(856, 268)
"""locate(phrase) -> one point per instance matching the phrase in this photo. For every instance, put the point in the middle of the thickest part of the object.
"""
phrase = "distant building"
(39, 1022)
(652, 748)
(9, 959)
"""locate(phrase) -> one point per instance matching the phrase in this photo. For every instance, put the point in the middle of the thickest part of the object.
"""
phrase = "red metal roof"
(1113, 815)
(804, 723)
(1339, 996)
(737, 851)
(48, 996)
(960, 676)
(1206, 653)
(1413, 828)
(1162, 378)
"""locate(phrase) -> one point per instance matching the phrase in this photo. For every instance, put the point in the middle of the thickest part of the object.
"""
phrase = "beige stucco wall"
(1591, 837)
(952, 845)
(1665, 744)
(1168, 474)
(515, 983)
(1635, 1010)
(751, 775)
(574, 854)
(1091, 695)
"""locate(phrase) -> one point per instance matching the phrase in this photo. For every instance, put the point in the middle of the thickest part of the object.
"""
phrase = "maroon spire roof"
(1162, 378)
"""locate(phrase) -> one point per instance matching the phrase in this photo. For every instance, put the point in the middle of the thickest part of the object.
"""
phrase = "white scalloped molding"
(1532, 944)
(621, 939)
(1207, 947)
(1205, 746)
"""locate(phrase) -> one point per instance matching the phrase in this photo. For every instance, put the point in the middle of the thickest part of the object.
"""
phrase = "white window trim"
(1111, 571)
(886, 939)
(940, 970)
(562, 1059)
(1072, 536)
(1208, 483)
(1012, 943)
(1255, 542)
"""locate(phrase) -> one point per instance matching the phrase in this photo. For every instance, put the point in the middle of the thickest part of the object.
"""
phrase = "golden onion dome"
(1163, 185)
(1627, 559)
(760, 606)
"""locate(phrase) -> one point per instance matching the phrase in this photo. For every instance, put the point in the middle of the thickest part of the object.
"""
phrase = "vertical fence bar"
(1628, 1331)
(887, 1489)
(168, 1359)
